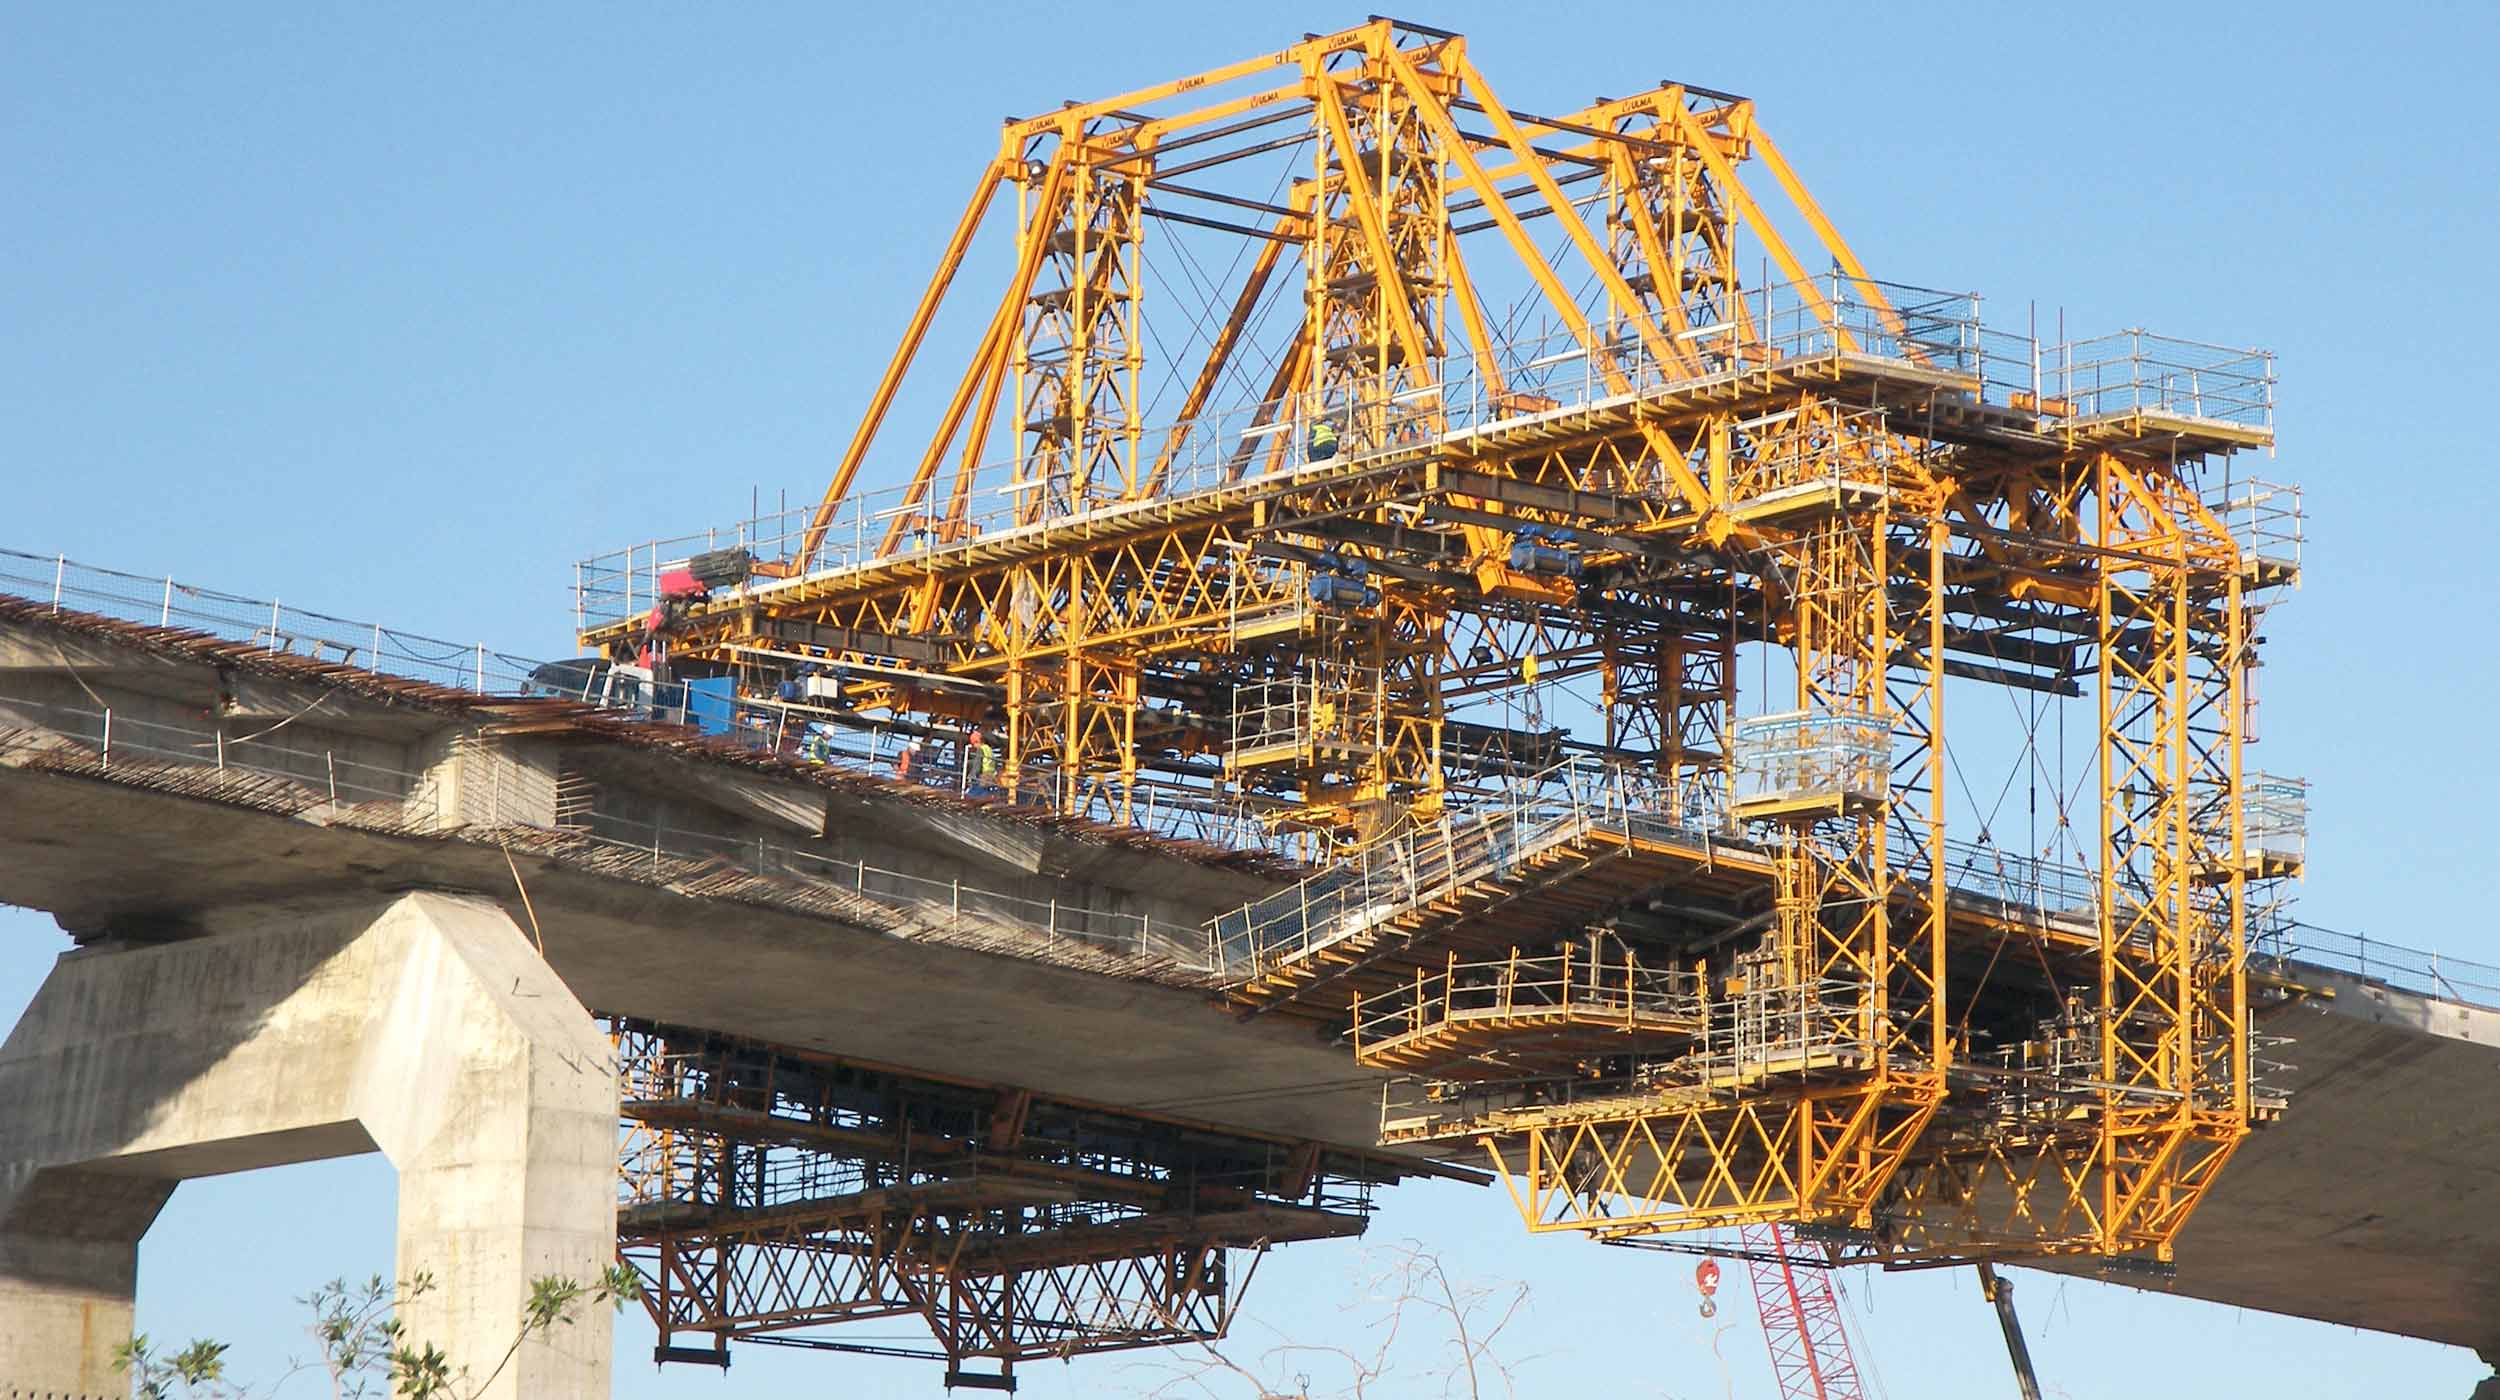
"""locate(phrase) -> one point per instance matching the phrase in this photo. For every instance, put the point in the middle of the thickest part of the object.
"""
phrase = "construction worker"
(1323, 440)
(980, 763)
(908, 759)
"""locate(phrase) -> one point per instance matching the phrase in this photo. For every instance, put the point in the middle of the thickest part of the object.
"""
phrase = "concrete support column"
(69, 1268)
(432, 1032)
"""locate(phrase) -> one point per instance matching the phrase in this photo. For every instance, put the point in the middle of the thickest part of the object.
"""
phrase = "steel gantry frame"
(1511, 418)
(1100, 640)
(771, 1195)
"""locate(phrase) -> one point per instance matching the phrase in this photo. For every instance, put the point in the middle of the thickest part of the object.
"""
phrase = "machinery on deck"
(1329, 413)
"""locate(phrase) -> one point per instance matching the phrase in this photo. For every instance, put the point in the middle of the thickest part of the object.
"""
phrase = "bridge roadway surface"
(2374, 1202)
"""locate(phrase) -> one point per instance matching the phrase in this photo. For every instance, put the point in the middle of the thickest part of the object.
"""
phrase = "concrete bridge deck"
(2374, 1203)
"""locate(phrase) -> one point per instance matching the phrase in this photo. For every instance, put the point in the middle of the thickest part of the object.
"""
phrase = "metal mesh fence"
(265, 623)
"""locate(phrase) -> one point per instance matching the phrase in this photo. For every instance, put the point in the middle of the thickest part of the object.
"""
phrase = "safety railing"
(326, 775)
(2137, 372)
(2130, 372)
(2376, 960)
(1564, 802)
(1796, 1032)
(946, 760)
(343, 777)
(2266, 520)
(1577, 983)
(1371, 886)
(2274, 819)
(1289, 717)
(2067, 1049)
(1055, 921)
(806, 733)
(1793, 1027)
(1375, 883)
(320, 774)
(1547, 371)
(2009, 367)
(2039, 1081)
(1803, 757)
(1271, 720)
(2271, 816)
(2045, 887)
(264, 623)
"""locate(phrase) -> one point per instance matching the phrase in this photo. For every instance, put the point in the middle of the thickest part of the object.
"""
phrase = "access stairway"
(1485, 882)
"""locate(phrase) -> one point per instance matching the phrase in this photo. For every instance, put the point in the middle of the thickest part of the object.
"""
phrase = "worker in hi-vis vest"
(1323, 440)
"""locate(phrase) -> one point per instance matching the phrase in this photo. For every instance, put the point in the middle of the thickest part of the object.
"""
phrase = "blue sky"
(398, 312)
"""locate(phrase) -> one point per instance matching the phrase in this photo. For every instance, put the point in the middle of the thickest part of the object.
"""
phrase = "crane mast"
(1810, 1354)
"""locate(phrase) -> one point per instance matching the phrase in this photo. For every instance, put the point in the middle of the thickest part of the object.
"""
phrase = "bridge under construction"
(866, 1047)
(1419, 643)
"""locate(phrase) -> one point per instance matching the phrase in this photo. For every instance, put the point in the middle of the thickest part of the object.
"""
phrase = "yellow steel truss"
(767, 1193)
(1514, 420)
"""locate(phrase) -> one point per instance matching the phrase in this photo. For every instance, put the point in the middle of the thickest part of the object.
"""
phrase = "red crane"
(1801, 1320)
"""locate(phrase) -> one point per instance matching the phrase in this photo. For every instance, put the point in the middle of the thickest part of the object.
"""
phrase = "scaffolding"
(1509, 1018)
(770, 1195)
(1808, 762)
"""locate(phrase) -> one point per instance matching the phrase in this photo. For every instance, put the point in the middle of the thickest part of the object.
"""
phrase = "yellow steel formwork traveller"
(1292, 547)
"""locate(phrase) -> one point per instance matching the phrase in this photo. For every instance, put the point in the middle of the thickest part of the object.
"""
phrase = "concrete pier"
(426, 1027)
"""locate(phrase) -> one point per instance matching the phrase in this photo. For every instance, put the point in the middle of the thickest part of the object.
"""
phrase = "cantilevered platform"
(1478, 885)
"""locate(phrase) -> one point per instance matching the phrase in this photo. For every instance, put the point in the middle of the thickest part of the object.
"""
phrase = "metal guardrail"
(413, 800)
(2406, 969)
(1574, 982)
(1802, 755)
(1747, 1035)
(1570, 799)
(2132, 371)
(264, 623)
(1560, 804)
(1565, 802)
(1057, 921)
(2136, 372)
(2266, 518)
(1160, 804)
(344, 780)
(2045, 887)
